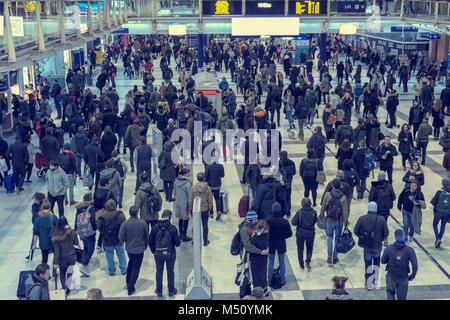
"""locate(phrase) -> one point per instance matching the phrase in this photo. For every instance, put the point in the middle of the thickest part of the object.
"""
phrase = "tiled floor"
(430, 283)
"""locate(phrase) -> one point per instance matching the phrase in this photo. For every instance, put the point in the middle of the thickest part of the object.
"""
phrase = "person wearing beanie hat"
(371, 229)
(279, 231)
(398, 257)
(111, 240)
(69, 164)
(441, 210)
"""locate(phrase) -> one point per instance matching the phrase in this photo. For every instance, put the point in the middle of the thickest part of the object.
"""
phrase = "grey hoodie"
(115, 180)
(39, 291)
(182, 188)
(57, 183)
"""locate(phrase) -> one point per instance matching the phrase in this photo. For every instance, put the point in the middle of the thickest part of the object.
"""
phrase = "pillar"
(323, 47)
(89, 18)
(99, 16)
(77, 20)
(8, 34)
(125, 12)
(114, 15)
(62, 32)
(200, 50)
(438, 49)
(39, 33)
(120, 15)
(106, 13)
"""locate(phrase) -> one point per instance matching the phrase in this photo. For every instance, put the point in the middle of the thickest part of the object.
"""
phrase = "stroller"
(41, 164)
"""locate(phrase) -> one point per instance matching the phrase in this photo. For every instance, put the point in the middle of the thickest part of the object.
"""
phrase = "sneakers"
(330, 259)
(66, 203)
(218, 217)
(158, 293)
(211, 215)
(72, 203)
(302, 266)
(130, 292)
(186, 239)
(99, 250)
(437, 244)
(308, 267)
(174, 292)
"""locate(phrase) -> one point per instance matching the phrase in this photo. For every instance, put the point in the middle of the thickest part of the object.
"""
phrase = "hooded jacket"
(115, 180)
(105, 215)
(279, 231)
(133, 135)
(265, 197)
(63, 244)
(372, 222)
(388, 198)
(167, 167)
(164, 224)
(82, 141)
(213, 175)
(50, 147)
(140, 201)
(245, 231)
(57, 182)
(202, 190)
(182, 188)
(36, 288)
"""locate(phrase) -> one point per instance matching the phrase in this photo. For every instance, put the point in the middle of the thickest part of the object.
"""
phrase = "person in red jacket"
(446, 163)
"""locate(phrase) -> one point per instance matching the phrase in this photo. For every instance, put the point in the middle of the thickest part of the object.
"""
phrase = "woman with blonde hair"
(43, 227)
(438, 118)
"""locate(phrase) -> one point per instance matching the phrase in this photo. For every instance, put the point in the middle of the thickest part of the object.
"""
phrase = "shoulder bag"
(320, 176)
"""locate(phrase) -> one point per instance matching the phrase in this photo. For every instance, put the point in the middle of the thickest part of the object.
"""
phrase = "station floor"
(432, 281)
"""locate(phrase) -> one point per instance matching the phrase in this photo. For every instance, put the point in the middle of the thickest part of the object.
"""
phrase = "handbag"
(320, 176)
(80, 254)
(346, 241)
(321, 222)
(57, 294)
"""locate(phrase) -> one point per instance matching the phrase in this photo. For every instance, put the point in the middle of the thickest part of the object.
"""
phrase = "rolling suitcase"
(21, 288)
(244, 205)
(224, 200)
(9, 184)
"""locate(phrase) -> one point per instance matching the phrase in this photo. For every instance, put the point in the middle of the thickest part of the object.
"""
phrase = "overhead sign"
(264, 8)
(307, 7)
(221, 7)
(264, 26)
(404, 29)
(348, 28)
(177, 30)
(351, 6)
(430, 35)
(30, 6)
(17, 26)
(121, 31)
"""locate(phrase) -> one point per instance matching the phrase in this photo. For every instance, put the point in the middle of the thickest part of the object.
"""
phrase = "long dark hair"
(60, 227)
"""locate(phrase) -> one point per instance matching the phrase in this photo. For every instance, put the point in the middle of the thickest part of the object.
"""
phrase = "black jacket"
(18, 153)
(94, 157)
(173, 232)
(108, 144)
(214, 174)
(381, 150)
(67, 162)
(305, 220)
(289, 167)
(384, 188)
(253, 176)
(404, 199)
(372, 222)
(279, 231)
(50, 147)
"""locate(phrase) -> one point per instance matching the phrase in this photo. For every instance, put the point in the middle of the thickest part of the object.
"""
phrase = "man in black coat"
(95, 159)
(56, 95)
(358, 158)
(18, 154)
(403, 75)
(445, 97)
(385, 154)
(213, 176)
(383, 194)
(50, 145)
(289, 168)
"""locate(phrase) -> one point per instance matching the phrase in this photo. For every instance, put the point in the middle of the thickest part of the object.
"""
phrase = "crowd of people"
(94, 130)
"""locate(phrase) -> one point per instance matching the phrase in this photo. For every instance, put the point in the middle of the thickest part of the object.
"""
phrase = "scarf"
(70, 152)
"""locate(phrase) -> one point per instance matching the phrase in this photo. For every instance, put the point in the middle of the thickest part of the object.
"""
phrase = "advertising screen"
(177, 30)
(264, 8)
(307, 7)
(264, 26)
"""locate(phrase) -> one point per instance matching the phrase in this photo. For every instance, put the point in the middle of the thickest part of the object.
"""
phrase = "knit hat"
(251, 215)
(276, 207)
(446, 182)
(399, 235)
(381, 176)
(110, 205)
(373, 207)
(66, 146)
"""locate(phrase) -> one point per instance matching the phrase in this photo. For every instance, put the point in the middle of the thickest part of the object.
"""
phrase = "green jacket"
(141, 201)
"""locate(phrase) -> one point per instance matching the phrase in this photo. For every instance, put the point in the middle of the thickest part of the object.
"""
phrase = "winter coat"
(289, 167)
(202, 190)
(372, 222)
(18, 153)
(50, 147)
(213, 175)
(279, 231)
(167, 167)
(82, 141)
(405, 142)
(36, 288)
(102, 219)
(406, 197)
(94, 157)
(57, 182)
(134, 232)
(108, 144)
(384, 187)
(133, 135)
(381, 150)
(67, 162)
(305, 220)
(63, 245)
(424, 131)
(265, 197)
(446, 161)
(182, 188)
(41, 228)
(115, 180)
(412, 258)
(253, 176)
(344, 205)
(418, 176)
(173, 233)
(140, 201)
(318, 143)
(359, 134)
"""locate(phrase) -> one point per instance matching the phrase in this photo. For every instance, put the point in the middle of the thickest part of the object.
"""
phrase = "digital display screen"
(265, 26)
(264, 8)
(222, 7)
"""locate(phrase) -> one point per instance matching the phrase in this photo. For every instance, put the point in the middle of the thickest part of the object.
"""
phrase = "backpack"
(111, 231)
(309, 168)
(334, 208)
(443, 205)
(119, 167)
(331, 119)
(107, 176)
(152, 202)
(351, 180)
(276, 282)
(84, 226)
(163, 242)
(382, 202)
(369, 160)
(236, 244)
(367, 237)
(398, 262)
(319, 146)
(347, 133)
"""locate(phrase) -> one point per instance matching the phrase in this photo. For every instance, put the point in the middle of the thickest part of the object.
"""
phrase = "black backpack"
(334, 208)
(152, 202)
(347, 133)
(366, 237)
(276, 282)
(382, 199)
(309, 168)
(163, 242)
(119, 167)
(110, 231)
(398, 263)
(236, 244)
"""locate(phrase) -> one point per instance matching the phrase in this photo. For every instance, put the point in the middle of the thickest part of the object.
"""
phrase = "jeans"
(110, 259)
(64, 264)
(170, 264)
(301, 123)
(79, 158)
(443, 220)
(205, 217)
(333, 228)
(301, 241)
(371, 258)
(89, 247)
(119, 142)
(422, 145)
(289, 117)
(216, 195)
(19, 176)
(311, 116)
(121, 193)
(407, 223)
(59, 200)
(71, 179)
(134, 266)
(396, 285)
(282, 266)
